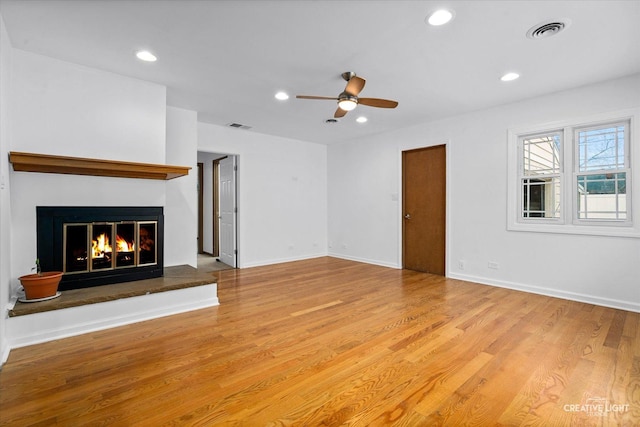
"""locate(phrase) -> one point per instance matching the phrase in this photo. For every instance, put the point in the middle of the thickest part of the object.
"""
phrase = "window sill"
(585, 230)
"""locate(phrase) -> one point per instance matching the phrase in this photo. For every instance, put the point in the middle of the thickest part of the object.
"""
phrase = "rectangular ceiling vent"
(238, 126)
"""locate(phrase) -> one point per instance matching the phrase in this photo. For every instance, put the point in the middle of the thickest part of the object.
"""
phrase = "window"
(540, 178)
(602, 171)
(574, 177)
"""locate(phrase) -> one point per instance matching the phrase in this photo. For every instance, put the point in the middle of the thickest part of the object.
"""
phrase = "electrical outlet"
(461, 264)
(493, 265)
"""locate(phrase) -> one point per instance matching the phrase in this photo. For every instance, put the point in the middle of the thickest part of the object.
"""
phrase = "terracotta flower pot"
(42, 285)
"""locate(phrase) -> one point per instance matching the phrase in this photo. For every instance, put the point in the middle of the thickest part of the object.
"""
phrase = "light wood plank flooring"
(332, 342)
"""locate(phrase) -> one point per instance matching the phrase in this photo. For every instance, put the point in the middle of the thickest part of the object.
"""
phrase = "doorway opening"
(200, 207)
(218, 207)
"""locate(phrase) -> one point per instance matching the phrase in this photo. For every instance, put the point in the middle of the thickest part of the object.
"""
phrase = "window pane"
(602, 196)
(541, 154)
(601, 148)
(541, 198)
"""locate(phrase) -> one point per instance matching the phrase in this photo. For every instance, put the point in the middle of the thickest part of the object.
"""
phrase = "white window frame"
(568, 222)
(522, 176)
(626, 169)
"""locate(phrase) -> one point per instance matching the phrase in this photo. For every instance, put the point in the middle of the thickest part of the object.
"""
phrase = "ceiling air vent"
(238, 126)
(547, 29)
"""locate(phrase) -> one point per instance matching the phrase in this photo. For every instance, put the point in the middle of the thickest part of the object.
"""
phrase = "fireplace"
(100, 245)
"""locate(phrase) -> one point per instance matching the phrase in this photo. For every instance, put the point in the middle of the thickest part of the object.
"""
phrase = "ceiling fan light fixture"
(440, 17)
(282, 96)
(347, 104)
(361, 119)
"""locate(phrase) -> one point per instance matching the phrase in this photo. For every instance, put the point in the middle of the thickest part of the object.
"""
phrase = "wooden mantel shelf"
(30, 162)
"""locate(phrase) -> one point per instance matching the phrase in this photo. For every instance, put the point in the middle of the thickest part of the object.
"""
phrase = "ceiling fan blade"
(354, 85)
(377, 102)
(316, 97)
(339, 113)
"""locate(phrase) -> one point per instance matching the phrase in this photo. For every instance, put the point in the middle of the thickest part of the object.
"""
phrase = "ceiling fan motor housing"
(345, 96)
(348, 75)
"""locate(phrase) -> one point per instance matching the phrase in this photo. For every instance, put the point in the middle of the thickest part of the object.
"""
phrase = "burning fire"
(123, 246)
(101, 246)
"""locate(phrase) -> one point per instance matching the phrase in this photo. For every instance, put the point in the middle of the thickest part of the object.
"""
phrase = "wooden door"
(424, 209)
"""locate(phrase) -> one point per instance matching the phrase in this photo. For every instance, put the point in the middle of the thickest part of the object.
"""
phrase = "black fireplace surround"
(57, 226)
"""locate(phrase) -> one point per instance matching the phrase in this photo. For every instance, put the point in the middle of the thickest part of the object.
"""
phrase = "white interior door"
(227, 218)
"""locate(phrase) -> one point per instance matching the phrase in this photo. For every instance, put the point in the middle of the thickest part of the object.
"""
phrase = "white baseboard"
(4, 353)
(572, 296)
(51, 325)
(365, 260)
(333, 255)
(281, 260)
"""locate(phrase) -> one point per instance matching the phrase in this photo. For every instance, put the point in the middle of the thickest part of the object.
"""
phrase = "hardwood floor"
(333, 342)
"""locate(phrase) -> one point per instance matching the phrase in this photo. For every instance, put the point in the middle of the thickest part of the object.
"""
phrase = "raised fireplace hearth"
(95, 245)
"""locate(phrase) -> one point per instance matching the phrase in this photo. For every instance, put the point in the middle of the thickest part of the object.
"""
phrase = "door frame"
(409, 147)
(221, 155)
(215, 164)
(236, 210)
(200, 207)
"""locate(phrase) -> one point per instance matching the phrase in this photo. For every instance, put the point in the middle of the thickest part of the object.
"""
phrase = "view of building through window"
(541, 181)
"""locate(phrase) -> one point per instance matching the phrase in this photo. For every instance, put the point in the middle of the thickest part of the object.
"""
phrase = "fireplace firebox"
(100, 245)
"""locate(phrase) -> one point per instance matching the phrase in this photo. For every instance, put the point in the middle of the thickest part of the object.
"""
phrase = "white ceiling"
(227, 59)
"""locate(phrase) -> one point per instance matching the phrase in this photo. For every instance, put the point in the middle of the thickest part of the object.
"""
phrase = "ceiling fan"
(348, 99)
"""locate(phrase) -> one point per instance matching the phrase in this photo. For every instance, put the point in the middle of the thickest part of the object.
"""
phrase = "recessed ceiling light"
(145, 55)
(361, 119)
(509, 77)
(440, 17)
(282, 96)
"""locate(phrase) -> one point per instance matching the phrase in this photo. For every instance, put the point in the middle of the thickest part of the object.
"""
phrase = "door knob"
(407, 216)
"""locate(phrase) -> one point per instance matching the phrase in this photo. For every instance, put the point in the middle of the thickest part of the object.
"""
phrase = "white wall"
(181, 207)
(5, 200)
(66, 109)
(282, 194)
(365, 219)
(61, 108)
(364, 200)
